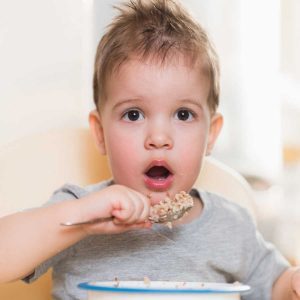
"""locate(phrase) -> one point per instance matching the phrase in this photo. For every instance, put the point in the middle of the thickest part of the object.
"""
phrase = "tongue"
(158, 172)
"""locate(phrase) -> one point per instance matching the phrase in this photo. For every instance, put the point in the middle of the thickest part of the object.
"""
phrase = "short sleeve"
(264, 265)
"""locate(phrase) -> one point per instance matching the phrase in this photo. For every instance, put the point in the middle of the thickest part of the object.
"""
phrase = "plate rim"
(91, 286)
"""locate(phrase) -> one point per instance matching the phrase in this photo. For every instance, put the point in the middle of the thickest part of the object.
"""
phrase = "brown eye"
(133, 115)
(184, 115)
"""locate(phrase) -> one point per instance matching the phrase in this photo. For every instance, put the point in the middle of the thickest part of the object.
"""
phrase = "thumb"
(121, 215)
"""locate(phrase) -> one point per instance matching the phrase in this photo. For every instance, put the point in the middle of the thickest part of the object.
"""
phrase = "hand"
(129, 208)
(295, 283)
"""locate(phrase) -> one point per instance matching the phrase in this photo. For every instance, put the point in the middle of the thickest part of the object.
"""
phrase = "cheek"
(118, 141)
(192, 143)
(191, 152)
(191, 158)
(122, 152)
(190, 169)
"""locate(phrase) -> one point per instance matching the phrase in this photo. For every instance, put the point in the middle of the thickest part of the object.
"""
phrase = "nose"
(158, 138)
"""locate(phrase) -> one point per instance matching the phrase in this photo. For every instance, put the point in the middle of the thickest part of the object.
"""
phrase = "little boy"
(156, 90)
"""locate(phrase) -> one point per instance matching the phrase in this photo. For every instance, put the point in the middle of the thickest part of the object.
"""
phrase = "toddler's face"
(156, 126)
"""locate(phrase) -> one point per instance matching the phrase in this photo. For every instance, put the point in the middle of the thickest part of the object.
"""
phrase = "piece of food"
(147, 281)
(181, 201)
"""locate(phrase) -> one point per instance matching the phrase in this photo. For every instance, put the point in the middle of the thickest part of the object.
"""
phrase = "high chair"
(33, 167)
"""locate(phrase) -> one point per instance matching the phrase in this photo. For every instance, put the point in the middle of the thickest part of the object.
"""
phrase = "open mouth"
(158, 176)
(158, 173)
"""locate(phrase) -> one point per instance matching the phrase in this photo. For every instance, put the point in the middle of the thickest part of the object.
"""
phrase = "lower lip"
(158, 184)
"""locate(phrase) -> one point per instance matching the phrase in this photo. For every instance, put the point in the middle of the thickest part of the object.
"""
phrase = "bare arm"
(28, 238)
(287, 285)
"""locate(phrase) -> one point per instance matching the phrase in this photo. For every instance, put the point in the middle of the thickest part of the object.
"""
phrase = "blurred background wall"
(42, 55)
(47, 50)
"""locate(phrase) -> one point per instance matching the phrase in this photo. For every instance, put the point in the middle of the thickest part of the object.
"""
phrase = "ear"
(216, 125)
(97, 131)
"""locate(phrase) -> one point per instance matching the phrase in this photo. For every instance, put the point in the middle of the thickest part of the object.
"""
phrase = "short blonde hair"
(158, 29)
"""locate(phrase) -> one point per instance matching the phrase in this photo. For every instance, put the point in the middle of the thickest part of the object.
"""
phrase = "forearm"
(30, 237)
(282, 289)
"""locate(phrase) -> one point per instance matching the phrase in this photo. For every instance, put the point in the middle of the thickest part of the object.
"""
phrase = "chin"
(157, 196)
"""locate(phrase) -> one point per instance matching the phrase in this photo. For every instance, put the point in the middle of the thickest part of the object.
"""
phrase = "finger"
(141, 208)
(122, 216)
(138, 204)
(145, 212)
(133, 209)
(123, 211)
(142, 205)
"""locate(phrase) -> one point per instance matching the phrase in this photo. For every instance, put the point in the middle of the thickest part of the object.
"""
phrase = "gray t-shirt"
(222, 245)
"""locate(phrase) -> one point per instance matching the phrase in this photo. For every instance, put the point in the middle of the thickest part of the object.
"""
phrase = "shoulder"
(227, 213)
(71, 191)
(229, 221)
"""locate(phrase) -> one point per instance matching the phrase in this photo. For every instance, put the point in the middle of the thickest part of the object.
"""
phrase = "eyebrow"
(136, 100)
(125, 101)
(193, 102)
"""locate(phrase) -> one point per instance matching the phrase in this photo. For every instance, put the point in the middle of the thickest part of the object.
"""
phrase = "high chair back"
(33, 167)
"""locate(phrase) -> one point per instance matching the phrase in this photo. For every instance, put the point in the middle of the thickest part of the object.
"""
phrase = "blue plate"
(164, 287)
